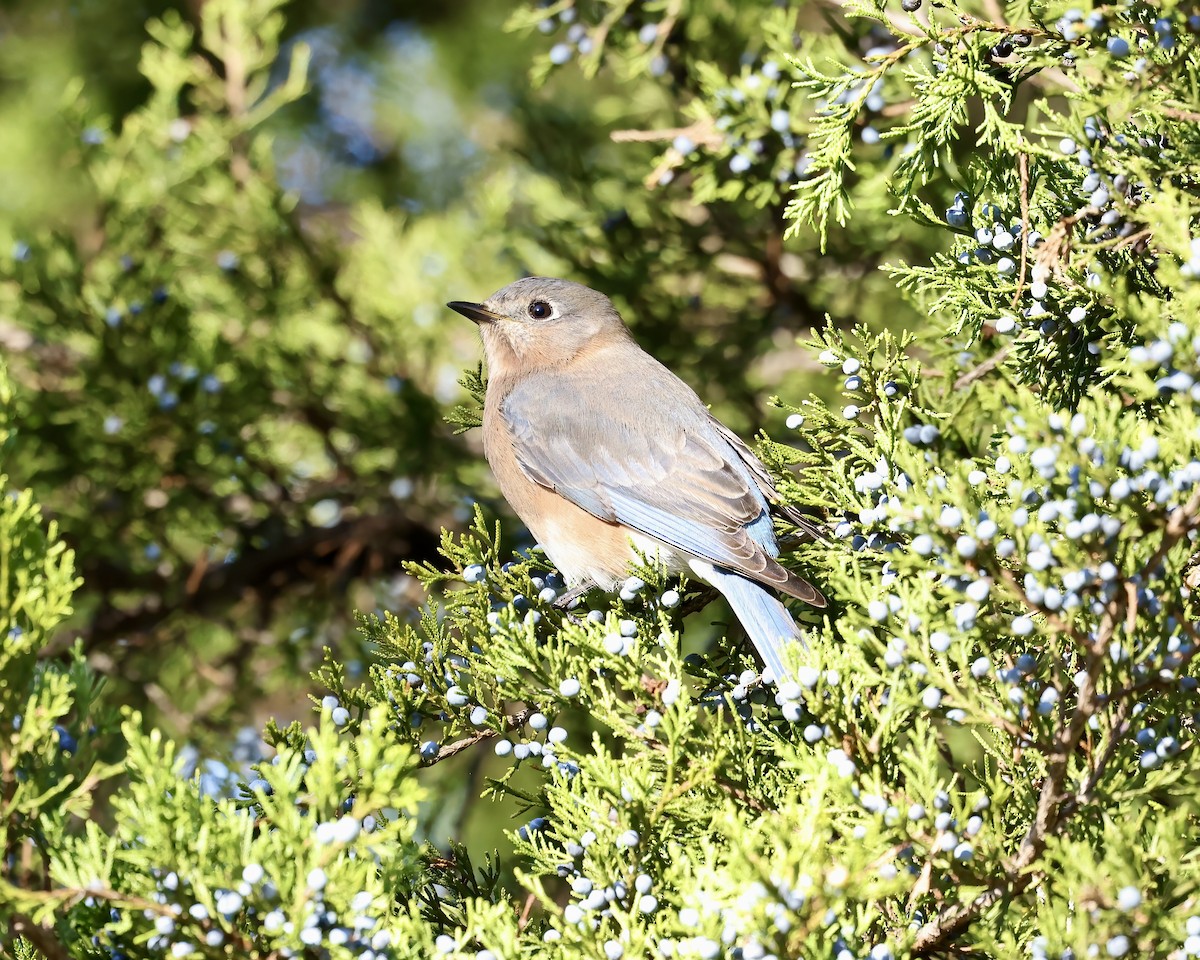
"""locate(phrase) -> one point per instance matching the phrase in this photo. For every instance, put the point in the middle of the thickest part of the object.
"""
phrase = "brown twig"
(1181, 521)
(936, 935)
(526, 911)
(740, 794)
(1053, 620)
(698, 600)
(702, 132)
(1055, 804)
(1178, 113)
(514, 722)
(1117, 733)
(235, 98)
(264, 570)
(984, 368)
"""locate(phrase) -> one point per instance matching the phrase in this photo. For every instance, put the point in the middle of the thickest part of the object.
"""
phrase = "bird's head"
(541, 321)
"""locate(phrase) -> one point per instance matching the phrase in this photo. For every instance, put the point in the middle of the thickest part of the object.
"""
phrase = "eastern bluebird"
(600, 449)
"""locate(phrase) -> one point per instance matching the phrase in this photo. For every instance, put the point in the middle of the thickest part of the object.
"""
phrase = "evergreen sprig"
(989, 743)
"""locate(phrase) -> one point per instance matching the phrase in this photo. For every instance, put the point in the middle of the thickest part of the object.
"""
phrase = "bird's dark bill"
(473, 311)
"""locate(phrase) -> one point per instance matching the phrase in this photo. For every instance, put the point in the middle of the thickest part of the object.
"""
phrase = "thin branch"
(527, 910)
(1055, 804)
(698, 600)
(1116, 735)
(1181, 521)
(740, 794)
(702, 132)
(266, 570)
(514, 722)
(1178, 113)
(934, 937)
(983, 369)
(1053, 620)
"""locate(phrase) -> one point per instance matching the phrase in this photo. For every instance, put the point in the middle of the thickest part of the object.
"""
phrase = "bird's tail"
(766, 620)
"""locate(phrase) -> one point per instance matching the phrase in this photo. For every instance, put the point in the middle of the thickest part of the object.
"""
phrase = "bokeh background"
(222, 304)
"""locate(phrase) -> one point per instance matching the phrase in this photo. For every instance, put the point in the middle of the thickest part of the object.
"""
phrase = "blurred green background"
(226, 324)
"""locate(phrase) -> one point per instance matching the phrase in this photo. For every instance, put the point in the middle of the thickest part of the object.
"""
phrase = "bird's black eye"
(540, 310)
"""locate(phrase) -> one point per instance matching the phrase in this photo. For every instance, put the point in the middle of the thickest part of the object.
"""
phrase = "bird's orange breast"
(581, 546)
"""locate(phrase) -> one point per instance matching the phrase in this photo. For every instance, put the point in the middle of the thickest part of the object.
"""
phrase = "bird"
(607, 456)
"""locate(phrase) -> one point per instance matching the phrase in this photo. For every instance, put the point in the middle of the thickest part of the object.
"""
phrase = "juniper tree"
(988, 746)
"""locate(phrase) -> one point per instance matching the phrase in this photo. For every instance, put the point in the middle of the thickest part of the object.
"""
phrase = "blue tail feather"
(766, 620)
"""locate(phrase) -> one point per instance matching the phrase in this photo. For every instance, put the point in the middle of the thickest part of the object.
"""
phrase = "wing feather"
(766, 483)
(675, 477)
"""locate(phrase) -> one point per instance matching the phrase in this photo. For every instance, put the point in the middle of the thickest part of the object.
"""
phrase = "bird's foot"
(564, 601)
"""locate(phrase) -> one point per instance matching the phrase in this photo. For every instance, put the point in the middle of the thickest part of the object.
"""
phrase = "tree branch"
(1055, 803)
(305, 556)
(514, 722)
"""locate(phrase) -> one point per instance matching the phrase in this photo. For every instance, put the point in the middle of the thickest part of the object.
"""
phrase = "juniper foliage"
(989, 744)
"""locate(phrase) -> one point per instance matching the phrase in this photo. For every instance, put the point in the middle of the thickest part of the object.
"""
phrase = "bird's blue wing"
(658, 467)
(635, 510)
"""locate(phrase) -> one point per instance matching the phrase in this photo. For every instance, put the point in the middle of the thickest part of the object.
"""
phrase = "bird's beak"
(474, 311)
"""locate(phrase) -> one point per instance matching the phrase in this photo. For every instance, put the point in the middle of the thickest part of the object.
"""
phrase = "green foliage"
(465, 418)
(989, 745)
(212, 405)
(230, 864)
(45, 777)
(24, 950)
